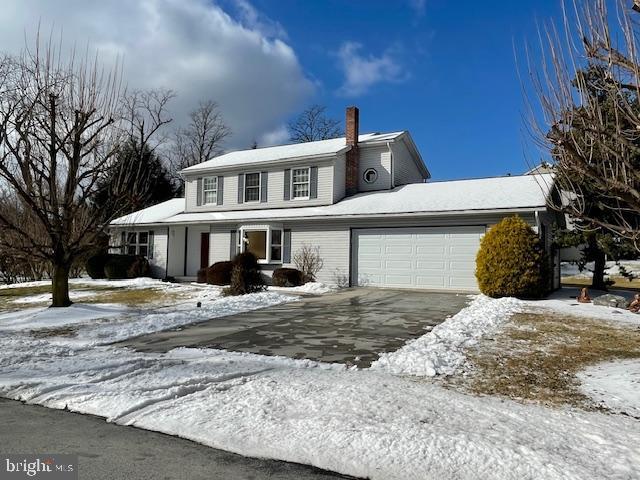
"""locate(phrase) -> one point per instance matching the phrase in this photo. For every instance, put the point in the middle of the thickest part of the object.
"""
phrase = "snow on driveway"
(365, 423)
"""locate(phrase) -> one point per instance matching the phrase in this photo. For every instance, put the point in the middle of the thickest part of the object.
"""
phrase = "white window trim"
(244, 187)
(204, 191)
(263, 228)
(308, 182)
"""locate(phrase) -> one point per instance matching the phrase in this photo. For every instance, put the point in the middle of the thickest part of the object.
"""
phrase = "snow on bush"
(441, 351)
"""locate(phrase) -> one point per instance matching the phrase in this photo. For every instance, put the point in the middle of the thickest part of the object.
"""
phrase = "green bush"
(287, 277)
(511, 261)
(245, 275)
(219, 273)
(126, 266)
(95, 265)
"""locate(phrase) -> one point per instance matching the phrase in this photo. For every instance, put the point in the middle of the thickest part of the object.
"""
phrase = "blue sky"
(443, 70)
(457, 90)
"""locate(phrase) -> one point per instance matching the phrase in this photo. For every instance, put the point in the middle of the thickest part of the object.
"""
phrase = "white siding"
(176, 251)
(220, 246)
(377, 157)
(339, 178)
(275, 189)
(405, 169)
(333, 241)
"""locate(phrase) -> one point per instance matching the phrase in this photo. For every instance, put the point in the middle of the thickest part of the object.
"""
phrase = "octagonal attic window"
(370, 175)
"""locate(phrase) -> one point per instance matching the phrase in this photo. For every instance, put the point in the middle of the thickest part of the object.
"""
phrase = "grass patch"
(135, 297)
(103, 294)
(537, 356)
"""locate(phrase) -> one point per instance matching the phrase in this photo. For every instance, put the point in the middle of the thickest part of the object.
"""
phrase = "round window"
(370, 175)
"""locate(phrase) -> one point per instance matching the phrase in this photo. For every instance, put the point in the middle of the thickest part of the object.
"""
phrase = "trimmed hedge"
(95, 265)
(202, 275)
(287, 277)
(126, 266)
(511, 261)
(219, 273)
(245, 275)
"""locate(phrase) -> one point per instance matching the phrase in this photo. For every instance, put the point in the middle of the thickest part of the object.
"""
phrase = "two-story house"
(362, 200)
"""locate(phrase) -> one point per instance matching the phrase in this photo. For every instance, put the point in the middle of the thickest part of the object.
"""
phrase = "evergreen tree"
(158, 186)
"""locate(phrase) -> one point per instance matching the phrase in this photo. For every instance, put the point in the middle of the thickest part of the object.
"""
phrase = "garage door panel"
(392, 249)
(419, 257)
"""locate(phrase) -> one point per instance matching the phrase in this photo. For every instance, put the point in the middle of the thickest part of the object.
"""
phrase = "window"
(256, 243)
(265, 244)
(276, 245)
(370, 175)
(137, 243)
(300, 182)
(210, 190)
(252, 187)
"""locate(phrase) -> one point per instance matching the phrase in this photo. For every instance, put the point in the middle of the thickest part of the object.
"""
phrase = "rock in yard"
(609, 300)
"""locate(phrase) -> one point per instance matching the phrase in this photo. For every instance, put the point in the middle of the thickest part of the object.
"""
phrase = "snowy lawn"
(383, 423)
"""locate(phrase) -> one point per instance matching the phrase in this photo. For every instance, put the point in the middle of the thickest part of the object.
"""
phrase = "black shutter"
(233, 247)
(199, 193)
(287, 184)
(313, 182)
(263, 187)
(123, 242)
(241, 188)
(220, 190)
(150, 248)
(286, 246)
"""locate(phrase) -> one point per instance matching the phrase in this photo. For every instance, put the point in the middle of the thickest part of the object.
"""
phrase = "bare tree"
(586, 113)
(307, 259)
(61, 121)
(201, 139)
(313, 124)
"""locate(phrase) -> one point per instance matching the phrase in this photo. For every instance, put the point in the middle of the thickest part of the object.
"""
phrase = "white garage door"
(421, 257)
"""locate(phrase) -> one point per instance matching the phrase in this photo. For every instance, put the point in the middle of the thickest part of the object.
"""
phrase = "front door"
(204, 249)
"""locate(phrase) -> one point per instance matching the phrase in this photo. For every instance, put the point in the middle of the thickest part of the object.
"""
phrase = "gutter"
(357, 216)
(222, 168)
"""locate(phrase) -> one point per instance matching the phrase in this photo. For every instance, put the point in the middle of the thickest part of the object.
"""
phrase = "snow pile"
(74, 295)
(441, 351)
(614, 385)
(312, 288)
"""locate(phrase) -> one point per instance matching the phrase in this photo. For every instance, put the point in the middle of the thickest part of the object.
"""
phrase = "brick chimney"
(352, 126)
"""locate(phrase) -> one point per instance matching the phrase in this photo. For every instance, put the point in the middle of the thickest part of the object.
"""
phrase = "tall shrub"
(245, 275)
(511, 261)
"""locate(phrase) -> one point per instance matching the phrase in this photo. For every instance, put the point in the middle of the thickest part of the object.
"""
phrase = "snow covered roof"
(527, 192)
(284, 152)
(155, 214)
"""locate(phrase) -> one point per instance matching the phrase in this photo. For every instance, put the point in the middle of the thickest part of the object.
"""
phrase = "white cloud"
(277, 136)
(361, 72)
(191, 46)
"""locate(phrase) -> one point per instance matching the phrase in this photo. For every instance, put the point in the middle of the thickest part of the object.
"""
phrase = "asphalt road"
(109, 451)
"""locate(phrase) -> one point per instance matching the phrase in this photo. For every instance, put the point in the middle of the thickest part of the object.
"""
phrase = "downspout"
(537, 217)
(393, 180)
(166, 260)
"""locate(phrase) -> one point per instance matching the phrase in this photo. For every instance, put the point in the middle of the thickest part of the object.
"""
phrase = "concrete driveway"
(349, 326)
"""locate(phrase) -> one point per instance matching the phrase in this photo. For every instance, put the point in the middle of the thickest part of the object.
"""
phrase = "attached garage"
(439, 258)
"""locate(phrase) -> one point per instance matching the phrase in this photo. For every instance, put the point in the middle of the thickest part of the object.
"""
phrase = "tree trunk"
(599, 265)
(60, 286)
